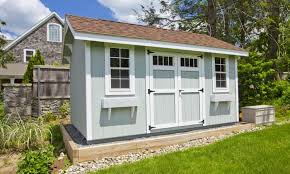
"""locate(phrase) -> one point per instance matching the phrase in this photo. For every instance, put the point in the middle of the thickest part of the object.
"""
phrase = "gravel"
(106, 162)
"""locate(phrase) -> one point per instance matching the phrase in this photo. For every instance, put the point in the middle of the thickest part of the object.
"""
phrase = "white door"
(174, 92)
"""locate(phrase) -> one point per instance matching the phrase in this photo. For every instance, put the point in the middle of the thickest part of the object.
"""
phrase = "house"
(131, 80)
(45, 36)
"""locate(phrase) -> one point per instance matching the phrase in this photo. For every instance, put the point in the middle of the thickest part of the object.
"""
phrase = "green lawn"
(266, 151)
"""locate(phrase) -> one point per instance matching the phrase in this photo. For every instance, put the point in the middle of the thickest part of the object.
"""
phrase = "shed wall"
(78, 89)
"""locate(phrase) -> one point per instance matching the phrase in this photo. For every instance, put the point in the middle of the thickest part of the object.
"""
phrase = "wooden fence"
(51, 87)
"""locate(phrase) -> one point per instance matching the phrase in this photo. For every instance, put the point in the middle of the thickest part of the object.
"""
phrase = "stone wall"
(17, 99)
(51, 51)
(47, 105)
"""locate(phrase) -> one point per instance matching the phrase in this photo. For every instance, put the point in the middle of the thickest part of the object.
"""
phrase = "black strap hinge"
(149, 52)
(149, 91)
(201, 90)
(201, 56)
(151, 127)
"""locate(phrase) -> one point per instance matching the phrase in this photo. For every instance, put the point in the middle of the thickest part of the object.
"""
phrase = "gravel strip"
(106, 162)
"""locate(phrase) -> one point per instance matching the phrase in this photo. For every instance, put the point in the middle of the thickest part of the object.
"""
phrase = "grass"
(266, 151)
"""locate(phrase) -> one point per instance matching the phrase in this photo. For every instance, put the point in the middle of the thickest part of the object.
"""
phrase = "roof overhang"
(40, 23)
(151, 43)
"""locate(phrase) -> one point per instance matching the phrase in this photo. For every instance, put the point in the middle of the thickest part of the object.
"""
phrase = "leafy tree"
(37, 59)
(4, 56)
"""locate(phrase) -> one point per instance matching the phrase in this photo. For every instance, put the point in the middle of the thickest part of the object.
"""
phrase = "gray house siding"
(77, 88)
(51, 51)
(121, 123)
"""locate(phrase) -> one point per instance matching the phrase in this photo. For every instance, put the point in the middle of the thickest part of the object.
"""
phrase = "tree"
(37, 59)
(4, 56)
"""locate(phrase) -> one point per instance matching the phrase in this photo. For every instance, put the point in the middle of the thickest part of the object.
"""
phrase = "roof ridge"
(140, 25)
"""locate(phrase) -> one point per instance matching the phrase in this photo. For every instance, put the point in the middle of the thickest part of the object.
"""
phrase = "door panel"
(164, 109)
(189, 79)
(190, 107)
(164, 79)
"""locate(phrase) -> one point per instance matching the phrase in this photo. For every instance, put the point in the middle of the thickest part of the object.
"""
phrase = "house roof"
(13, 70)
(146, 33)
(32, 29)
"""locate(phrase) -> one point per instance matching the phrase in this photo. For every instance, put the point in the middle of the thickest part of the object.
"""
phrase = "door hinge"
(201, 90)
(149, 52)
(149, 91)
(202, 121)
(201, 56)
(151, 127)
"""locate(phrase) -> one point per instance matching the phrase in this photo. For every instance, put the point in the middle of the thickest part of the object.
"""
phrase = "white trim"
(148, 114)
(203, 115)
(215, 89)
(40, 23)
(151, 43)
(237, 89)
(108, 89)
(88, 90)
(24, 54)
(47, 32)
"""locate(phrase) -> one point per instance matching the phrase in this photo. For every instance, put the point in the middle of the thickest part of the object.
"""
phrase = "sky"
(20, 15)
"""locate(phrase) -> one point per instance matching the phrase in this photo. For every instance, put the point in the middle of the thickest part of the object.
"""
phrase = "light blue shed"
(131, 80)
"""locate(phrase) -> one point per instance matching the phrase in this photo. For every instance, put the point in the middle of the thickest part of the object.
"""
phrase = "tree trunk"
(242, 19)
(211, 18)
(273, 29)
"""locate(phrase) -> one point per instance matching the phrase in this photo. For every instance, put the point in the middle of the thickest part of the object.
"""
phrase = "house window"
(54, 32)
(188, 62)
(28, 53)
(220, 74)
(120, 71)
(162, 61)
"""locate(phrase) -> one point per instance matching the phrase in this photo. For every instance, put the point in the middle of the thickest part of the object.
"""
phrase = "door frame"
(148, 54)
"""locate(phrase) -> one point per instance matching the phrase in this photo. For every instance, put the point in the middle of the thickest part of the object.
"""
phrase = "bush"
(48, 117)
(21, 135)
(37, 162)
(64, 109)
(37, 59)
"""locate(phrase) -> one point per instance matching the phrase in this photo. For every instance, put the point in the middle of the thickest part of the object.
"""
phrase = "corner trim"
(88, 90)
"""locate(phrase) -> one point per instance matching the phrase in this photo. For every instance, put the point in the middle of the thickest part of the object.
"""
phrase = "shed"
(132, 80)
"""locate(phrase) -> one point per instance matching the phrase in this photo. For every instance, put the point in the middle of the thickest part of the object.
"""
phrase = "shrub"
(64, 109)
(21, 135)
(37, 59)
(48, 117)
(37, 162)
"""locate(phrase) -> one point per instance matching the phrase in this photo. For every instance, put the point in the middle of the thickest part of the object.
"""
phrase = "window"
(188, 62)
(220, 74)
(28, 53)
(120, 71)
(54, 32)
(162, 61)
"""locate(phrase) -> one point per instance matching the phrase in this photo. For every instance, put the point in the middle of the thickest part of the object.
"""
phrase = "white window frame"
(114, 91)
(220, 89)
(24, 54)
(60, 34)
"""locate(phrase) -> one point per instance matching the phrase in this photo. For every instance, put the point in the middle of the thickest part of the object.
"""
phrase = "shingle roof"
(111, 28)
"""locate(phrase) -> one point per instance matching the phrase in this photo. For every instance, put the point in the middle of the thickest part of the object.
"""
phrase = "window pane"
(125, 53)
(115, 83)
(160, 60)
(125, 73)
(186, 62)
(114, 52)
(223, 61)
(217, 68)
(166, 61)
(223, 84)
(223, 68)
(154, 60)
(218, 76)
(28, 58)
(195, 63)
(29, 53)
(115, 73)
(217, 60)
(191, 62)
(223, 76)
(125, 84)
(182, 62)
(170, 61)
(115, 62)
(124, 62)
(54, 33)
